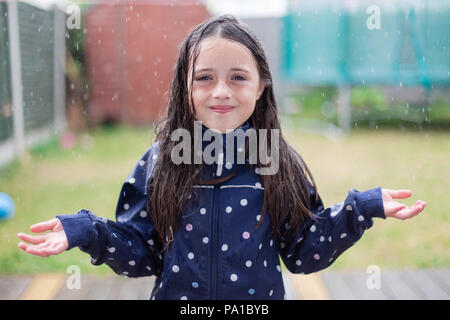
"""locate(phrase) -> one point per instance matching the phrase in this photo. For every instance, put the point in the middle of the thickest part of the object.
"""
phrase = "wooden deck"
(406, 284)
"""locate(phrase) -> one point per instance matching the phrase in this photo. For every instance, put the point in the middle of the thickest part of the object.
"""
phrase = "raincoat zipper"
(214, 242)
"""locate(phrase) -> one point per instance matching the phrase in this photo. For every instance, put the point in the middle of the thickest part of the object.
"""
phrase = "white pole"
(59, 70)
(16, 79)
(344, 110)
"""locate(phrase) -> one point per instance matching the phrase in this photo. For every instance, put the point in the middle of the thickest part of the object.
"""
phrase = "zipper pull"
(219, 165)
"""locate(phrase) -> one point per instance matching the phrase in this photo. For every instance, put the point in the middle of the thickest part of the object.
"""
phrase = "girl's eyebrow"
(232, 69)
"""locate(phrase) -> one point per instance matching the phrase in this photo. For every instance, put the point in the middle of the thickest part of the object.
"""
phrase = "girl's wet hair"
(286, 193)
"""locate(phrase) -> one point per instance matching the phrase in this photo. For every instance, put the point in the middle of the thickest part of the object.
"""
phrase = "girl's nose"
(221, 90)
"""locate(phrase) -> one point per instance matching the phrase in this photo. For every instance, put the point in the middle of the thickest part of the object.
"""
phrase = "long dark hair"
(286, 193)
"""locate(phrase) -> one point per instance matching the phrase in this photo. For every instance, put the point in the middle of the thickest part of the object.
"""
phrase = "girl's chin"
(220, 127)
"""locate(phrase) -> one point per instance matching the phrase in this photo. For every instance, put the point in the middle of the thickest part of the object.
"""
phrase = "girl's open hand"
(44, 245)
(398, 210)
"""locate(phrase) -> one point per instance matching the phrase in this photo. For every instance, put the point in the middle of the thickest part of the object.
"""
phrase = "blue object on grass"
(7, 206)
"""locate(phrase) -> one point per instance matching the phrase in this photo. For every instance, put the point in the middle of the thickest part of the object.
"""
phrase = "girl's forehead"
(218, 52)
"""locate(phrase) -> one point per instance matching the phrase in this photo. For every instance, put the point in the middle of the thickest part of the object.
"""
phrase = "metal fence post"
(59, 71)
(16, 79)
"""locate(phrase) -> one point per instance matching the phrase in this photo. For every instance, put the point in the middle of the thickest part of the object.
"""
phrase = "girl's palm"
(398, 210)
(44, 245)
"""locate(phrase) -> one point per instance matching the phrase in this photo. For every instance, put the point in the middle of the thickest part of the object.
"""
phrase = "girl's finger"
(399, 194)
(44, 226)
(31, 239)
(53, 250)
(410, 212)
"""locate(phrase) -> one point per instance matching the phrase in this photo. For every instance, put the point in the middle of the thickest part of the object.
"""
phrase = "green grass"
(54, 181)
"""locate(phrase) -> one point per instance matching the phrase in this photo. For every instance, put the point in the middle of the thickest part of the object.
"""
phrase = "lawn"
(56, 181)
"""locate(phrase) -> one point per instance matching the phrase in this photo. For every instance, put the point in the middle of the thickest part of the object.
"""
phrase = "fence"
(32, 67)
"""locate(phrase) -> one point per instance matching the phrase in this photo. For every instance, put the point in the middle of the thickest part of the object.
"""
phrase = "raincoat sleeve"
(333, 230)
(130, 245)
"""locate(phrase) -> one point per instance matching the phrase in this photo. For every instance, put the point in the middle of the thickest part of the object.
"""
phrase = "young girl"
(216, 231)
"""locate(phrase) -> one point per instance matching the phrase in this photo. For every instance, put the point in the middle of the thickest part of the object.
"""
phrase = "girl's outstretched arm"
(130, 245)
(335, 229)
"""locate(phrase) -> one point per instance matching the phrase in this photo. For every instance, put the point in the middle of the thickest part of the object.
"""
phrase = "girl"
(214, 231)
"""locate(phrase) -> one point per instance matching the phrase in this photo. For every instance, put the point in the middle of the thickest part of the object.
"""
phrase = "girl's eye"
(203, 77)
(241, 78)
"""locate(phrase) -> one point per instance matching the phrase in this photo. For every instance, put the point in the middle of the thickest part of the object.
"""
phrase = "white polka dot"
(251, 291)
(246, 235)
(183, 298)
(228, 209)
(360, 218)
(349, 207)
(271, 243)
(271, 292)
(298, 262)
(126, 206)
(248, 263)
(205, 240)
(143, 213)
(343, 235)
(175, 268)
(141, 162)
(155, 156)
(316, 256)
(265, 263)
(228, 165)
(125, 272)
(260, 246)
(148, 268)
(244, 202)
(329, 239)
(224, 247)
(111, 250)
(190, 255)
(132, 180)
(132, 262)
(234, 277)
(258, 185)
(313, 228)
(151, 242)
(195, 284)
(257, 170)
(202, 211)
(278, 268)
(189, 227)
(321, 238)
(258, 217)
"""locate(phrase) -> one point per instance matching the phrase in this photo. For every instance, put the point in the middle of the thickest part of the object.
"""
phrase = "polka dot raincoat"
(217, 253)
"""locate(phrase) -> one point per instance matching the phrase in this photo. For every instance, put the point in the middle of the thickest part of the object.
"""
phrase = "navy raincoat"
(217, 253)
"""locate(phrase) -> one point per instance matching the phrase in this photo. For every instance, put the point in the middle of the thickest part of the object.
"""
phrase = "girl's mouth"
(222, 109)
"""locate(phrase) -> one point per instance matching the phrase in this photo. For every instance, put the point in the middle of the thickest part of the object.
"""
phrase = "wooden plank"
(76, 294)
(43, 287)
(442, 277)
(306, 286)
(395, 287)
(12, 287)
(337, 288)
(426, 285)
(101, 288)
(357, 282)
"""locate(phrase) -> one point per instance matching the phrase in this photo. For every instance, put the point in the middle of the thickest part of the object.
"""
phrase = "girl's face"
(226, 84)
